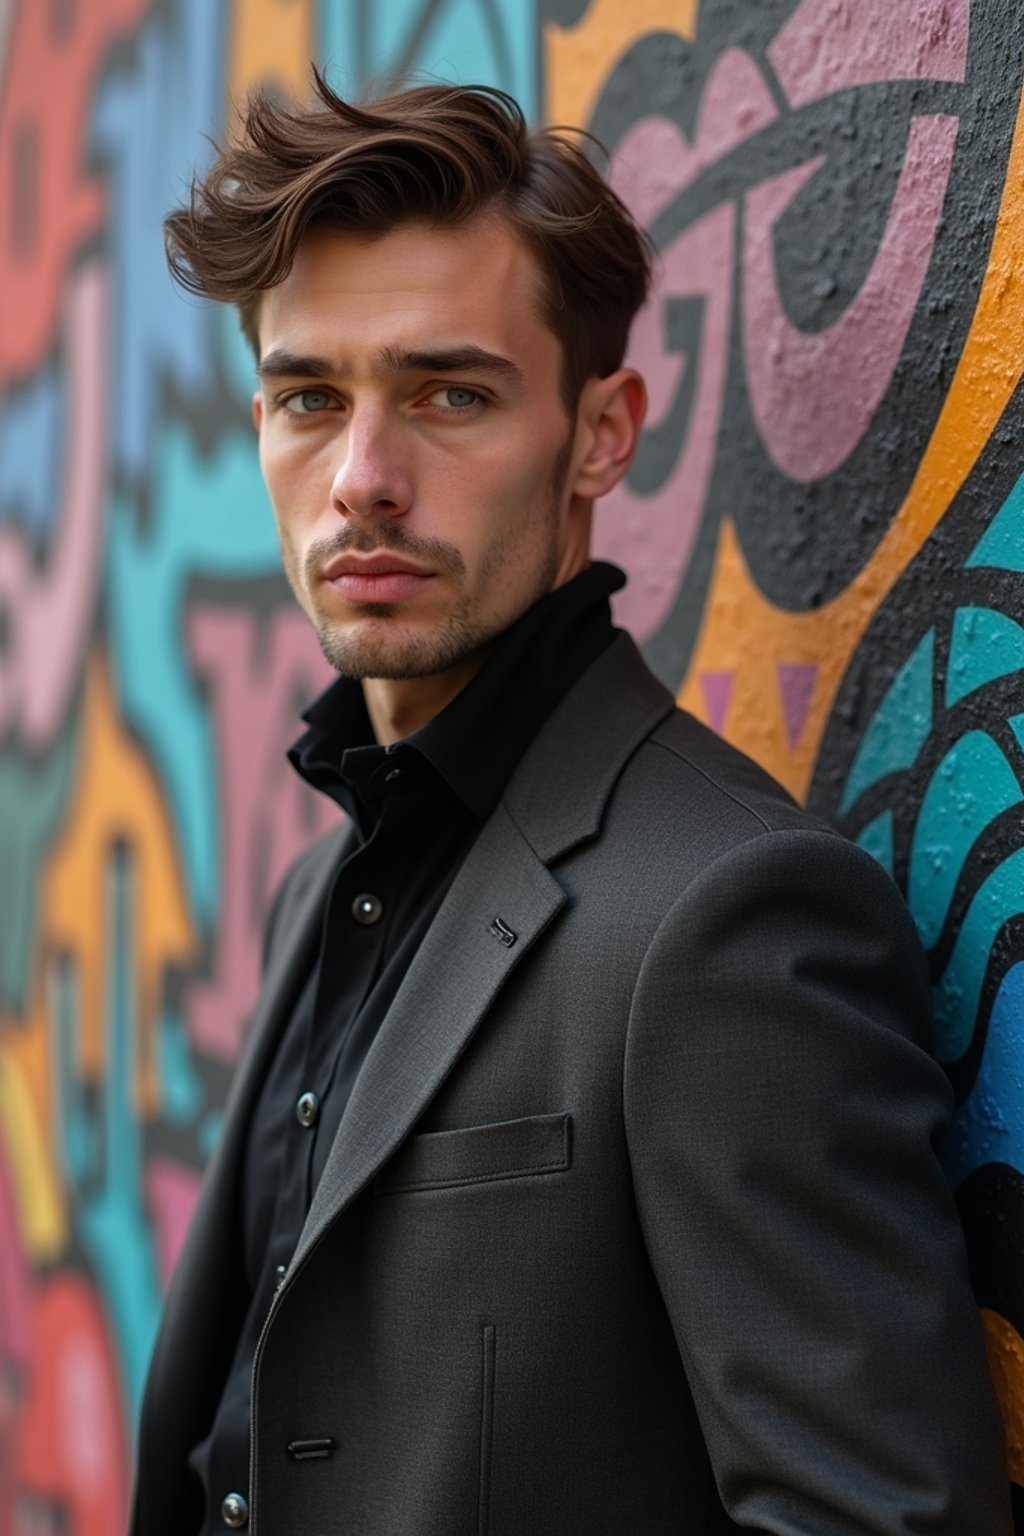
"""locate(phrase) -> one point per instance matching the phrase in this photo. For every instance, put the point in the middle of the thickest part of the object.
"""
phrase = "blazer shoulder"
(695, 768)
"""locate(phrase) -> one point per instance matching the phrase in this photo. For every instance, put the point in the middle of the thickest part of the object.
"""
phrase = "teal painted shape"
(958, 994)
(1002, 544)
(209, 1134)
(972, 784)
(78, 1142)
(209, 516)
(109, 1211)
(33, 800)
(480, 42)
(900, 725)
(180, 1088)
(985, 645)
(1016, 724)
(877, 839)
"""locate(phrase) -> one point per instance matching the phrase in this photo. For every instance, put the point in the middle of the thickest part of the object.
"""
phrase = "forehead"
(478, 281)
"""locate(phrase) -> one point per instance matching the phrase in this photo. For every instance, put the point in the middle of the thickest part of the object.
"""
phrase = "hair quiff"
(438, 153)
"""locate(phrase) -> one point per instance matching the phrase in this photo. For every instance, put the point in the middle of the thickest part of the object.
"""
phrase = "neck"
(399, 706)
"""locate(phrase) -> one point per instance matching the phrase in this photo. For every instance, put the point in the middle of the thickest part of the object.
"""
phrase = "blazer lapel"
(501, 900)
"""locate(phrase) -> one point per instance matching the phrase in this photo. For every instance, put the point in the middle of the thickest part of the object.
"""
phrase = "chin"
(395, 652)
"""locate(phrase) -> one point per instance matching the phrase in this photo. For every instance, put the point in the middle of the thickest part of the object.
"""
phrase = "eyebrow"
(281, 364)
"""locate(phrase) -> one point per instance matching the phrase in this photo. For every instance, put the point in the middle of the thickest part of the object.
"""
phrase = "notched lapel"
(458, 971)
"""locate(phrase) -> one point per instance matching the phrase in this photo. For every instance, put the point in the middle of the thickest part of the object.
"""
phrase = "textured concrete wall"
(824, 529)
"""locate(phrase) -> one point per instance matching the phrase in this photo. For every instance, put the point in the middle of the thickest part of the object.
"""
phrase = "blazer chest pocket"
(480, 1154)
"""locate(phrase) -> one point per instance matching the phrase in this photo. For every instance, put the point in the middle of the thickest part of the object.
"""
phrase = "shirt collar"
(477, 740)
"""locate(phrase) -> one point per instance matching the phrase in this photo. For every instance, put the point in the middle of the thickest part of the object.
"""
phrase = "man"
(578, 1174)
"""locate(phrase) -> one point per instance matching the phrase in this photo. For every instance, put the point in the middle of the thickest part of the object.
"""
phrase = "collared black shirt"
(416, 808)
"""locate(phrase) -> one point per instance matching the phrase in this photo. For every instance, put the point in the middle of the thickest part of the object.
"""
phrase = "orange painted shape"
(741, 629)
(1005, 1349)
(579, 59)
(272, 43)
(49, 204)
(116, 796)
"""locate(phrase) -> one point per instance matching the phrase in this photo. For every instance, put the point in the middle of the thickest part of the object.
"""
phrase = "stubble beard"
(388, 648)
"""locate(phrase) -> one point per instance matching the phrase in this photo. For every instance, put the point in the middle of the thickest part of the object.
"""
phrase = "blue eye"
(458, 398)
(308, 401)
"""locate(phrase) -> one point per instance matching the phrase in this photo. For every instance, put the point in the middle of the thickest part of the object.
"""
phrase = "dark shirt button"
(307, 1109)
(393, 776)
(235, 1511)
(367, 909)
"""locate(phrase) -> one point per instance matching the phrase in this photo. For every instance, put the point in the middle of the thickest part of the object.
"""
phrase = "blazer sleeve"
(782, 1113)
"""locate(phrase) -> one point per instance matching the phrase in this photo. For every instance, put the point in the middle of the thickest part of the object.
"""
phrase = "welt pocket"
(479, 1154)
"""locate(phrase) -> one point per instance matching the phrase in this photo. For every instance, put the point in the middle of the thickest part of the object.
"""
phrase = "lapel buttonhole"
(503, 933)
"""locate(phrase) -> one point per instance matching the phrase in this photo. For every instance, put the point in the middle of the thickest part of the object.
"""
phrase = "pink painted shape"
(835, 45)
(814, 394)
(15, 1286)
(716, 690)
(796, 686)
(171, 1193)
(268, 816)
(652, 537)
(50, 611)
(655, 161)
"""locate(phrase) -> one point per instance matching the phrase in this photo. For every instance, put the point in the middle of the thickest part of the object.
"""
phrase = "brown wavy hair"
(438, 153)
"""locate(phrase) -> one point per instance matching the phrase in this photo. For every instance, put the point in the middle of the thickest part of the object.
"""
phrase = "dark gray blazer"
(633, 1223)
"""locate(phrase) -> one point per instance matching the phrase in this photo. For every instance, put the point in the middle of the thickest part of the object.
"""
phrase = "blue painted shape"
(208, 516)
(877, 839)
(985, 645)
(33, 434)
(989, 1126)
(1016, 724)
(957, 995)
(972, 784)
(236, 354)
(1002, 543)
(148, 129)
(479, 42)
(108, 1208)
(900, 725)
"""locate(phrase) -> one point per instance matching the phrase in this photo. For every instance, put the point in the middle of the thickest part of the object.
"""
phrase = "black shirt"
(416, 807)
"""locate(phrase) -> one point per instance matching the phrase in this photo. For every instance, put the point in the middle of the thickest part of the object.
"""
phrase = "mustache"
(389, 537)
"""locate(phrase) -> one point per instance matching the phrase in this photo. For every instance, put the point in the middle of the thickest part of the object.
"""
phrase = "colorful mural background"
(824, 530)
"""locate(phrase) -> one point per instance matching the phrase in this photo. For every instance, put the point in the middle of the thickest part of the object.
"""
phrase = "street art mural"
(824, 532)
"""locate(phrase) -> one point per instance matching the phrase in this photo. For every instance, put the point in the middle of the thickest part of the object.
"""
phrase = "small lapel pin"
(503, 933)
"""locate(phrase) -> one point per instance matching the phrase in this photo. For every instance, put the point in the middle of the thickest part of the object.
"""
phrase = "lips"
(376, 578)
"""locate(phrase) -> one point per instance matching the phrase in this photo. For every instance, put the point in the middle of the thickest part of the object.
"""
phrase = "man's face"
(414, 443)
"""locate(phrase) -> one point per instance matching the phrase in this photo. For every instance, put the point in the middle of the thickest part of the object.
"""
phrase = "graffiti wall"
(824, 531)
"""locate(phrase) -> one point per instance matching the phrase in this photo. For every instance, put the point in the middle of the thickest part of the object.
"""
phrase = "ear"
(257, 410)
(610, 414)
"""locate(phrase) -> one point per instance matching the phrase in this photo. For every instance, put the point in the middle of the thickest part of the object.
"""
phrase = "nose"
(371, 478)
